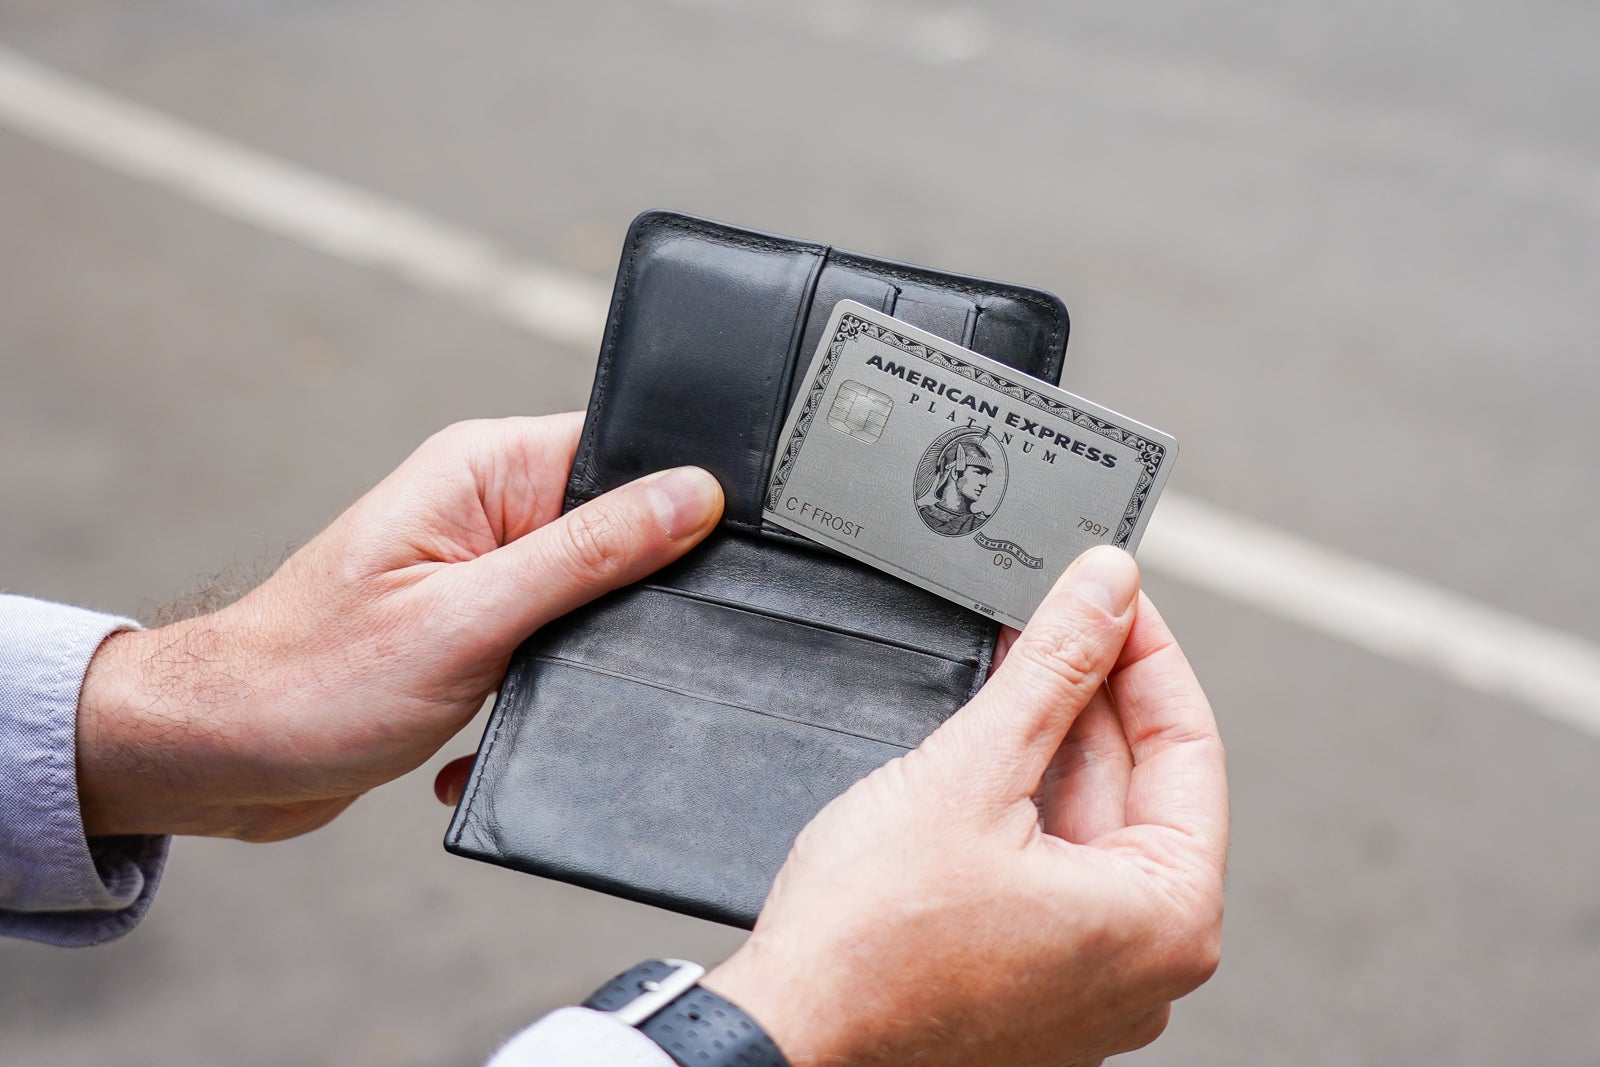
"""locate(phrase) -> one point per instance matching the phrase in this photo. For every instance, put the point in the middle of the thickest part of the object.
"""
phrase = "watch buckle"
(660, 992)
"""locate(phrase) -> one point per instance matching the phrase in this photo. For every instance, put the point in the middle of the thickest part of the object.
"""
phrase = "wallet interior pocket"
(682, 802)
(711, 725)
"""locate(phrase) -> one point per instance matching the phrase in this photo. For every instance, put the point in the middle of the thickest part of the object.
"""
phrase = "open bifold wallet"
(669, 741)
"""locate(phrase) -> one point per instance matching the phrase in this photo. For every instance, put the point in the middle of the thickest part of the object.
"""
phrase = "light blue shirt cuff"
(57, 886)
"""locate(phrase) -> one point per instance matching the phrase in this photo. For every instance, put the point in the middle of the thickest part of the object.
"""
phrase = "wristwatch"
(663, 1000)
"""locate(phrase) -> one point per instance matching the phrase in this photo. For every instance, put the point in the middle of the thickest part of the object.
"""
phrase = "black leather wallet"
(668, 742)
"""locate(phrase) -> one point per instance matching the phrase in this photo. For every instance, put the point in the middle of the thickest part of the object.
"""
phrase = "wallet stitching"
(591, 669)
(771, 613)
(508, 693)
(730, 235)
(602, 379)
(745, 524)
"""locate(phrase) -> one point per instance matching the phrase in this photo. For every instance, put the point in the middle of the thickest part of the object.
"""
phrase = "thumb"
(607, 543)
(1007, 735)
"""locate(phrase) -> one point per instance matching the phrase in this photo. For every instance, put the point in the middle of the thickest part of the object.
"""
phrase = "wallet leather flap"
(709, 324)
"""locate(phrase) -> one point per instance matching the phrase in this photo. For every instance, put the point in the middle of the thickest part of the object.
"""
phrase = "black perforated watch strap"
(698, 1029)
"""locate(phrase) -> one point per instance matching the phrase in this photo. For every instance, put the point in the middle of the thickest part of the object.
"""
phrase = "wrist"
(666, 1001)
(137, 771)
(788, 1000)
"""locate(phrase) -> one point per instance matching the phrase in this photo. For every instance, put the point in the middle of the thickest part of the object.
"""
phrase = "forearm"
(178, 733)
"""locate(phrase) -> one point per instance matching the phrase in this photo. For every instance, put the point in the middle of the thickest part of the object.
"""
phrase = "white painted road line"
(323, 213)
(1393, 615)
(1379, 609)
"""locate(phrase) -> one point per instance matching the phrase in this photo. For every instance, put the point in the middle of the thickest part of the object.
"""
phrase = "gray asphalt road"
(1346, 254)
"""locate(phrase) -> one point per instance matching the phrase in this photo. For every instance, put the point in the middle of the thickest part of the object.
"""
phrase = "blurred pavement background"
(1347, 254)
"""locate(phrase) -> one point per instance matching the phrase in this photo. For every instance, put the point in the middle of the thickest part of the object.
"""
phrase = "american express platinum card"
(955, 472)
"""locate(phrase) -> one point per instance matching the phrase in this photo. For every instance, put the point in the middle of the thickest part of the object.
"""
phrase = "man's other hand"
(1034, 885)
(372, 645)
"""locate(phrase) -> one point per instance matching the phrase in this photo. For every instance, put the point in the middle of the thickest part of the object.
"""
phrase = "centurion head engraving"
(959, 481)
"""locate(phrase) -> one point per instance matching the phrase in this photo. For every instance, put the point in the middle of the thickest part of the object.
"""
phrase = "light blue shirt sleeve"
(56, 885)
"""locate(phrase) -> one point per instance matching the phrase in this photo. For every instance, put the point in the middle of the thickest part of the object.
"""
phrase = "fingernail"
(683, 499)
(1106, 577)
(447, 787)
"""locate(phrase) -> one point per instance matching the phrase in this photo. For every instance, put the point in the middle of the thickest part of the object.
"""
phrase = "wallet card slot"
(1021, 327)
(820, 677)
(786, 616)
(817, 586)
(946, 315)
(730, 705)
(835, 283)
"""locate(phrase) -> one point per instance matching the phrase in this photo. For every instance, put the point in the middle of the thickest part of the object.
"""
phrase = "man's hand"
(1034, 885)
(372, 645)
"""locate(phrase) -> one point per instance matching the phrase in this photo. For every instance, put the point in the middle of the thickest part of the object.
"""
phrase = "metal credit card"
(955, 472)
